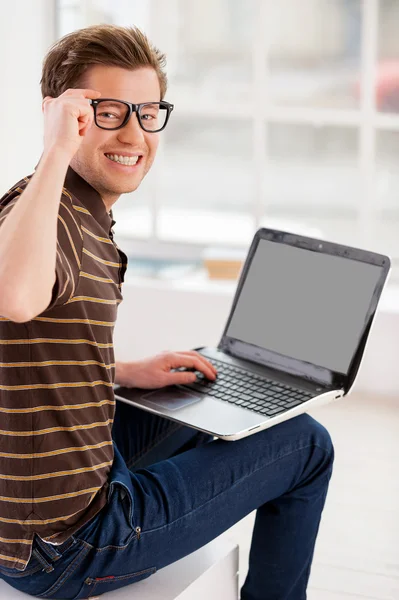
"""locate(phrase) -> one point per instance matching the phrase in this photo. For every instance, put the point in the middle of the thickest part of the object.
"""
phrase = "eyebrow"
(151, 104)
(111, 102)
(116, 100)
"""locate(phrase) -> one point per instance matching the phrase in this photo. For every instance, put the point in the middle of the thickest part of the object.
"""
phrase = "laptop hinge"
(318, 376)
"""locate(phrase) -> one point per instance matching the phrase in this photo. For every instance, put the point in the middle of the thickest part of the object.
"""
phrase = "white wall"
(157, 316)
(26, 32)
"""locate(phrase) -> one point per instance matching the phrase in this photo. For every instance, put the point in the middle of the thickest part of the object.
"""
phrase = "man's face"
(110, 178)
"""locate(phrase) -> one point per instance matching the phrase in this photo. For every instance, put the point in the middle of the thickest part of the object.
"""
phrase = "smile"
(124, 160)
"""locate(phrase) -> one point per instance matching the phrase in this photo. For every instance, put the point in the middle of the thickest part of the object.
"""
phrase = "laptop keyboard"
(249, 390)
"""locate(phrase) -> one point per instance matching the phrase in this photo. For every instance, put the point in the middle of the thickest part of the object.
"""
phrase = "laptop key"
(293, 403)
(274, 411)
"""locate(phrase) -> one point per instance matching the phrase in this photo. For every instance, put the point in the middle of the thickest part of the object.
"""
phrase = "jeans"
(173, 490)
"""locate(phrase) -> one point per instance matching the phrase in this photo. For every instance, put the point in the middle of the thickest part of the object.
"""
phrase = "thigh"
(143, 438)
(159, 514)
(182, 503)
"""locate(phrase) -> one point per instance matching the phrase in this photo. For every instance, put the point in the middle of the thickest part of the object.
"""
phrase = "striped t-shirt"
(56, 383)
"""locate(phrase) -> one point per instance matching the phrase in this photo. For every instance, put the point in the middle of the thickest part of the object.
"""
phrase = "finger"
(205, 361)
(180, 378)
(84, 124)
(192, 361)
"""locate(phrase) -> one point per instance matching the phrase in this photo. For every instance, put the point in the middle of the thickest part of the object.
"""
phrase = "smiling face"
(92, 161)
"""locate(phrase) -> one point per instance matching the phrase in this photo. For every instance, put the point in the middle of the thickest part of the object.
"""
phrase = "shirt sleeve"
(69, 253)
(69, 245)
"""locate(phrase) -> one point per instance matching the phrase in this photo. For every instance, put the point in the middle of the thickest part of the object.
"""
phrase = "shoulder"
(15, 191)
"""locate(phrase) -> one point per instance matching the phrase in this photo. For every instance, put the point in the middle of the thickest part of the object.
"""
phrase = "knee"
(317, 435)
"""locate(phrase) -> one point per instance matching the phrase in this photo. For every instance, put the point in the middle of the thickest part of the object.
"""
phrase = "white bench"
(211, 573)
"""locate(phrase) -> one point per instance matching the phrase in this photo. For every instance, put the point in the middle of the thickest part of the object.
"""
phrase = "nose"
(131, 133)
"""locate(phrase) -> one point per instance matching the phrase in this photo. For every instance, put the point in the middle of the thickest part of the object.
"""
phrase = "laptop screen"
(305, 305)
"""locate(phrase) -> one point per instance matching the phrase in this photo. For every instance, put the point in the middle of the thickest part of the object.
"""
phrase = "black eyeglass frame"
(132, 108)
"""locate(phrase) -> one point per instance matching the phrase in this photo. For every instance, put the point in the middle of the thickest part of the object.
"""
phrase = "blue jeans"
(173, 490)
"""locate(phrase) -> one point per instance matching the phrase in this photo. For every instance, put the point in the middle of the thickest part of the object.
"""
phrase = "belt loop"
(46, 565)
(49, 550)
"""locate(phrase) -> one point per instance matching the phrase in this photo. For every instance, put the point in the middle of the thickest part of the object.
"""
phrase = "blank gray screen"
(305, 305)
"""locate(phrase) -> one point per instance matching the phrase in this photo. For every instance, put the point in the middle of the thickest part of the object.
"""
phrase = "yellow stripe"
(14, 541)
(53, 429)
(56, 473)
(67, 194)
(27, 179)
(40, 522)
(70, 277)
(96, 237)
(55, 341)
(101, 260)
(91, 299)
(86, 321)
(54, 386)
(47, 498)
(73, 218)
(96, 278)
(56, 452)
(46, 363)
(12, 559)
(70, 240)
(81, 209)
(51, 407)
(65, 286)
(20, 190)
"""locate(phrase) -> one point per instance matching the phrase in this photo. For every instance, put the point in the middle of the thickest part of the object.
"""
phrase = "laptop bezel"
(327, 378)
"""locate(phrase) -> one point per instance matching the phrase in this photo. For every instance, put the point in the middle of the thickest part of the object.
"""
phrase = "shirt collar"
(90, 198)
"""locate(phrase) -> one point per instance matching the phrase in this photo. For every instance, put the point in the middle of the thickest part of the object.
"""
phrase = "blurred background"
(286, 115)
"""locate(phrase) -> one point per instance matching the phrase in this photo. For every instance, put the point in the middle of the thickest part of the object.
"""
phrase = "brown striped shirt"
(56, 383)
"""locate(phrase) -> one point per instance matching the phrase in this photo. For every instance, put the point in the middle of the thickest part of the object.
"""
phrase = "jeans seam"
(66, 574)
(130, 463)
(119, 577)
(234, 485)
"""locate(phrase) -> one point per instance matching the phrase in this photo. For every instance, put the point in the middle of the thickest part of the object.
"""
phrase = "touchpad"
(170, 399)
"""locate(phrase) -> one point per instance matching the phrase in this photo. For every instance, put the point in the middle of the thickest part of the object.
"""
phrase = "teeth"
(123, 160)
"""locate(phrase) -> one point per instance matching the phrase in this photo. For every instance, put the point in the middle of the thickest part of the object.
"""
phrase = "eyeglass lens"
(111, 114)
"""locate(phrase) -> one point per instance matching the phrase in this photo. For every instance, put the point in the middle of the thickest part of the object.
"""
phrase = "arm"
(120, 372)
(28, 242)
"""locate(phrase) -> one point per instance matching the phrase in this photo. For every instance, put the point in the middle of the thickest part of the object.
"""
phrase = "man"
(95, 496)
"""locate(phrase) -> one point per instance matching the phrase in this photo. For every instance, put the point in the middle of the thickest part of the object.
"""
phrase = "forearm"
(120, 372)
(28, 242)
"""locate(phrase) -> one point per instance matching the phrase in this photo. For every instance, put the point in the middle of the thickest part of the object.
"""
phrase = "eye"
(107, 114)
(148, 116)
(149, 112)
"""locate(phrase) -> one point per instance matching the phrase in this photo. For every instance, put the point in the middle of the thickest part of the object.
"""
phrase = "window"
(286, 115)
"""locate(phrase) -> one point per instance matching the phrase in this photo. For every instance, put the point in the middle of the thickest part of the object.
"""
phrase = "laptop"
(294, 339)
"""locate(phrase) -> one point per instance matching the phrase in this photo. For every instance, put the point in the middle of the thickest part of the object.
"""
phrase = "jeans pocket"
(95, 586)
(37, 582)
(114, 526)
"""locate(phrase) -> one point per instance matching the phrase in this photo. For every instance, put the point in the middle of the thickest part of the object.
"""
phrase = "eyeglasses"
(114, 114)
